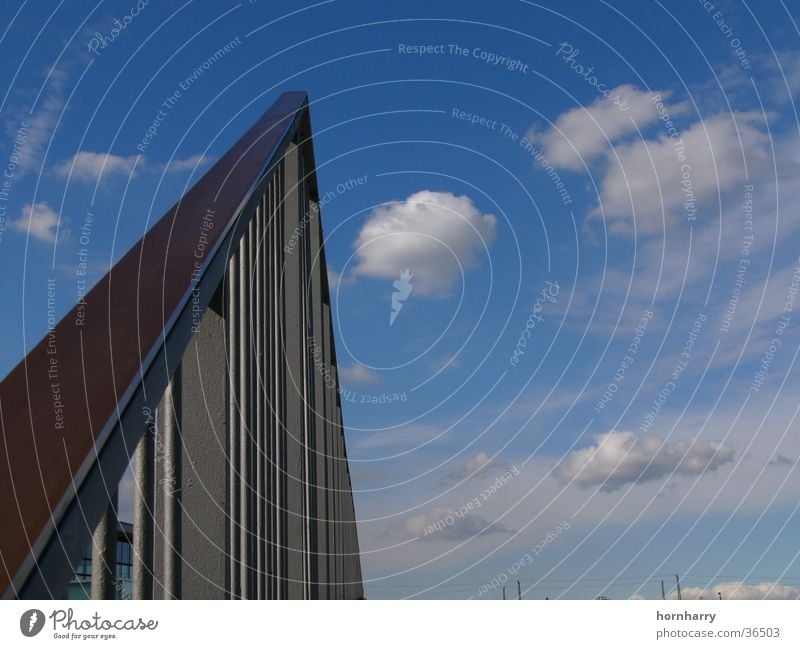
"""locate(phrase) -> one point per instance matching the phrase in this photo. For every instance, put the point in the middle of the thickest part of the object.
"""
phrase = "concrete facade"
(252, 486)
(212, 370)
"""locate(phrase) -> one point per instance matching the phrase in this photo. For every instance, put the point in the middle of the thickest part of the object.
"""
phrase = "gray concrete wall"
(260, 502)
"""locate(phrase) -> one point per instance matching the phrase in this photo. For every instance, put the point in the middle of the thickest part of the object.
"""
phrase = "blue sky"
(552, 218)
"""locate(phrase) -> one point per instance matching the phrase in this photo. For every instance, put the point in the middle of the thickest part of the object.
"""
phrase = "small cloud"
(89, 166)
(780, 460)
(621, 458)
(33, 126)
(186, 164)
(473, 466)
(40, 221)
(436, 235)
(444, 524)
(360, 375)
(447, 363)
(741, 590)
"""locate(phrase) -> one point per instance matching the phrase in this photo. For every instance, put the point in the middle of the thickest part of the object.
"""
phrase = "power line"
(610, 580)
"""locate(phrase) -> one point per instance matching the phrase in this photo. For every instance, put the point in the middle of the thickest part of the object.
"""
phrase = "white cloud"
(38, 219)
(641, 179)
(645, 182)
(472, 466)
(621, 458)
(88, 166)
(40, 122)
(434, 234)
(359, 374)
(186, 164)
(741, 590)
(585, 132)
(443, 524)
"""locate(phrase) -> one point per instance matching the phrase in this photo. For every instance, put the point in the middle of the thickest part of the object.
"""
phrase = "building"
(204, 359)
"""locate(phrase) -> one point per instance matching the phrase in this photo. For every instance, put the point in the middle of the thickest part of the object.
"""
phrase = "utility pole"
(663, 592)
(678, 582)
(504, 593)
(519, 590)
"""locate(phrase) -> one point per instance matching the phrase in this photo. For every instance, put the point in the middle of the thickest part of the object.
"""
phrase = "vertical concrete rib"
(270, 433)
(318, 373)
(104, 553)
(260, 498)
(233, 504)
(337, 498)
(204, 465)
(252, 391)
(279, 433)
(330, 454)
(144, 511)
(293, 341)
(244, 415)
(171, 485)
(307, 297)
(342, 504)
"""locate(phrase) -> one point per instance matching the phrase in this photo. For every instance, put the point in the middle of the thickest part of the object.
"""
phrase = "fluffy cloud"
(621, 458)
(741, 590)
(583, 133)
(186, 164)
(41, 121)
(434, 234)
(443, 524)
(38, 219)
(472, 466)
(88, 166)
(646, 181)
(359, 374)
